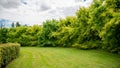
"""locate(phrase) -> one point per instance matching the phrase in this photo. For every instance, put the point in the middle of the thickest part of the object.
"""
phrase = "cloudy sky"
(36, 11)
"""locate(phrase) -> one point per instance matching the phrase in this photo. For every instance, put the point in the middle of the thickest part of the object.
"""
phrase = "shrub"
(8, 52)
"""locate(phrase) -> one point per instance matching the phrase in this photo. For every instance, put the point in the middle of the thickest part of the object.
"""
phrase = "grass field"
(33, 57)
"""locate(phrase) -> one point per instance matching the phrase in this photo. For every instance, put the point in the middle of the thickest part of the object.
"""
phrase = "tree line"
(97, 26)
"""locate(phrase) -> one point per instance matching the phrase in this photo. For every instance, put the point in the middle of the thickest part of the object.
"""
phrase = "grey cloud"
(68, 11)
(44, 7)
(78, 1)
(52, 11)
(64, 11)
(9, 3)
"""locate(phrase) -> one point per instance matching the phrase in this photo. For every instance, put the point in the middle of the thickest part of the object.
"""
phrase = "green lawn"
(35, 57)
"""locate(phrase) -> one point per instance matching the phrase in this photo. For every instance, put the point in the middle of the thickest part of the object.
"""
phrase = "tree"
(110, 31)
(13, 25)
(1, 25)
(3, 35)
(45, 36)
(17, 24)
(65, 32)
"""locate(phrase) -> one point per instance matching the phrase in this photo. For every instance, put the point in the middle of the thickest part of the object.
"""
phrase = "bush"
(111, 35)
(8, 52)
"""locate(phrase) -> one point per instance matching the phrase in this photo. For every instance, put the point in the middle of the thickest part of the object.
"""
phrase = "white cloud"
(36, 11)
(9, 3)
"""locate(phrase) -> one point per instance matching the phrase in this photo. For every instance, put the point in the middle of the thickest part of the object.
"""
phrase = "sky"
(32, 12)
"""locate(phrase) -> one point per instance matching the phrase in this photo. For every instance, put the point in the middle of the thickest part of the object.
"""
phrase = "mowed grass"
(48, 57)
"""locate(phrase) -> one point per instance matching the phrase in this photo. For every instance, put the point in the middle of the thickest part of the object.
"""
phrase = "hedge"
(8, 52)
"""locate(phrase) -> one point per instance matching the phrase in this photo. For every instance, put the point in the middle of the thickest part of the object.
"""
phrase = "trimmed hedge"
(8, 52)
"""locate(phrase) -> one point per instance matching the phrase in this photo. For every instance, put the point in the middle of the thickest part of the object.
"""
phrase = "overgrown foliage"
(26, 36)
(8, 52)
(97, 26)
(3, 35)
(45, 36)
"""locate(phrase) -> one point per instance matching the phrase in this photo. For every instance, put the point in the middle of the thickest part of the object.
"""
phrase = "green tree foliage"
(65, 31)
(110, 31)
(105, 18)
(25, 35)
(97, 26)
(84, 33)
(3, 35)
(45, 36)
(1, 24)
(13, 25)
(17, 24)
(84, 27)
(110, 35)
